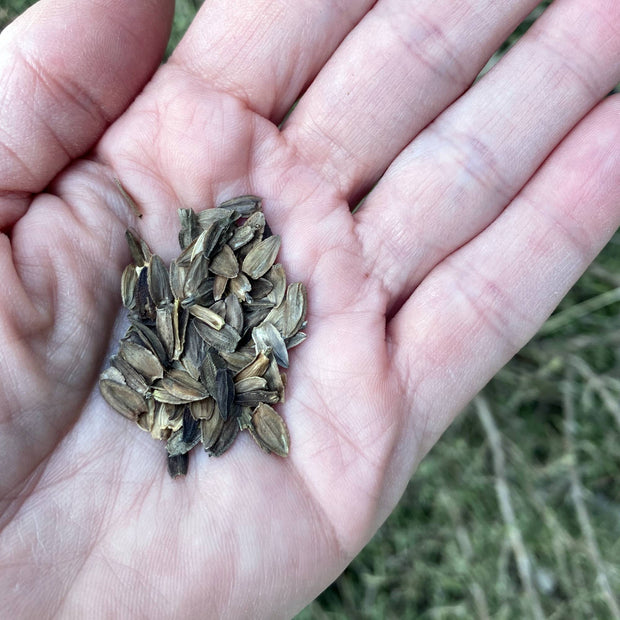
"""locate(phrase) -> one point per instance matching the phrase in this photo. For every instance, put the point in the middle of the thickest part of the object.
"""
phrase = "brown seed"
(270, 431)
(225, 392)
(122, 398)
(210, 430)
(249, 384)
(202, 409)
(260, 258)
(140, 252)
(253, 398)
(240, 286)
(219, 287)
(229, 433)
(143, 360)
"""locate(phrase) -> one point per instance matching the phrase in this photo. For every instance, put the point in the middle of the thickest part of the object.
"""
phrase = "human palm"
(454, 259)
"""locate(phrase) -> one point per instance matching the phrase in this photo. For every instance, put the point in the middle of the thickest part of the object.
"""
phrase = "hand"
(491, 200)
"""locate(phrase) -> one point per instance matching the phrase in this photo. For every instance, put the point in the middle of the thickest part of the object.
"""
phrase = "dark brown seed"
(229, 433)
(159, 285)
(224, 392)
(144, 306)
(190, 228)
(177, 465)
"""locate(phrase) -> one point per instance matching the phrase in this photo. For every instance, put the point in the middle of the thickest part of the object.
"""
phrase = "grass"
(515, 513)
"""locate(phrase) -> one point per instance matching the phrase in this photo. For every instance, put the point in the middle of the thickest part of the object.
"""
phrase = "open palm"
(475, 230)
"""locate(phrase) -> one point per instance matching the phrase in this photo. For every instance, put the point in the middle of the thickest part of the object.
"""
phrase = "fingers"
(265, 52)
(401, 66)
(68, 68)
(485, 301)
(468, 164)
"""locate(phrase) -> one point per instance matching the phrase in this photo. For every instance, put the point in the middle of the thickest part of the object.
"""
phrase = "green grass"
(516, 511)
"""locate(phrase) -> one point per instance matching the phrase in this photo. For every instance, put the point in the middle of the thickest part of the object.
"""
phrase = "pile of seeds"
(201, 358)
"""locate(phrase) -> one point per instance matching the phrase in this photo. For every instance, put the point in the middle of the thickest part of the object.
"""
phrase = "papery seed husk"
(255, 397)
(140, 252)
(276, 380)
(295, 309)
(261, 257)
(159, 285)
(113, 374)
(177, 465)
(224, 263)
(250, 384)
(162, 395)
(270, 431)
(194, 353)
(165, 328)
(123, 399)
(129, 280)
(202, 409)
(224, 392)
(229, 433)
(190, 228)
(295, 340)
(241, 287)
(233, 313)
(145, 420)
(180, 318)
(243, 205)
(131, 203)
(251, 229)
(177, 275)
(144, 306)
(238, 359)
(277, 277)
(160, 428)
(131, 376)
(220, 215)
(256, 368)
(208, 316)
(143, 360)
(219, 287)
(225, 339)
(181, 385)
(210, 430)
(186, 437)
(149, 338)
(261, 288)
(245, 418)
(266, 337)
(196, 275)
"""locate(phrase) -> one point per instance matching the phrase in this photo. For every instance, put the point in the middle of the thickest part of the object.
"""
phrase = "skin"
(490, 200)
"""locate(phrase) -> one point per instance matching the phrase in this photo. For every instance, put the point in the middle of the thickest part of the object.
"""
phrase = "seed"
(260, 258)
(270, 431)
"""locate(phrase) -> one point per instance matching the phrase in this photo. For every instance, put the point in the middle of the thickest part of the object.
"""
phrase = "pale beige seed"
(234, 313)
(295, 310)
(270, 430)
(181, 385)
(277, 277)
(276, 380)
(131, 376)
(143, 360)
(267, 338)
(206, 315)
(256, 368)
(261, 257)
(113, 374)
(123, 399)
(220, 215)
(129, 280)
